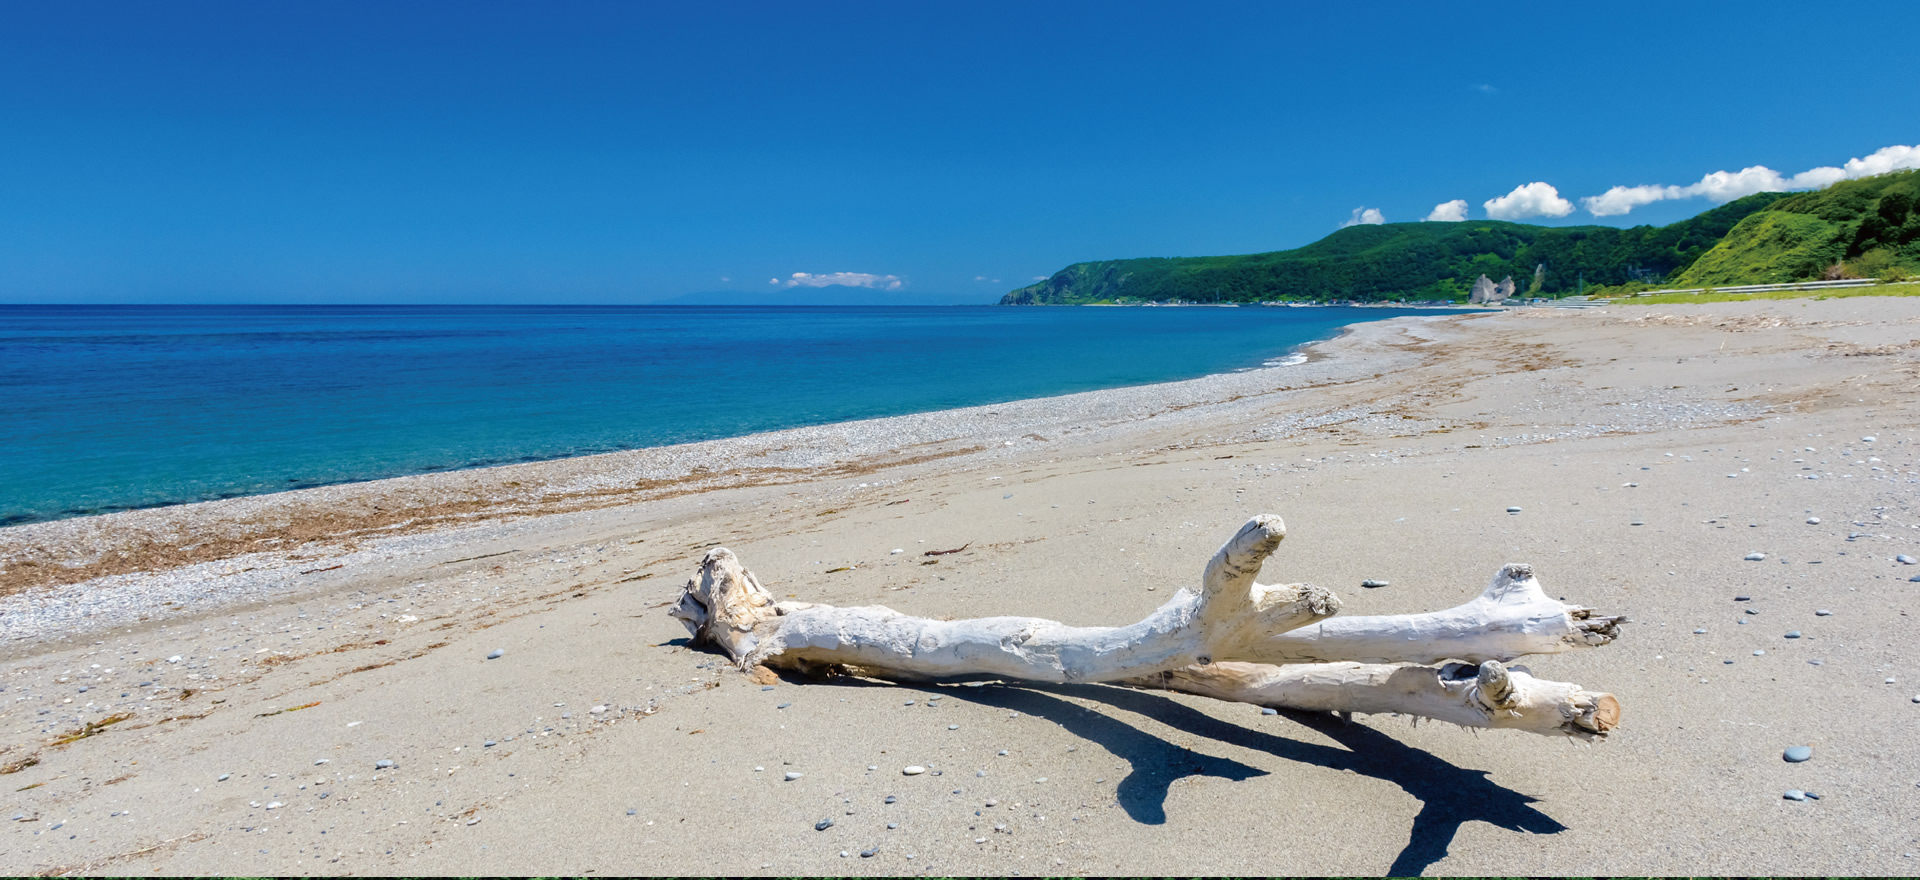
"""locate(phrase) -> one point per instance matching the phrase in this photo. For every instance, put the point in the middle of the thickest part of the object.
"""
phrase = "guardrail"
(1764, 288)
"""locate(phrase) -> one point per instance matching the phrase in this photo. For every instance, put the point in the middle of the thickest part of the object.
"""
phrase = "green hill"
(1857, 228)
(1866, 228)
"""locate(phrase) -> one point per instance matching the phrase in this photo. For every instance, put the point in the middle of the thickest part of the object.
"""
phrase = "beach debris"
(896, 551)
(1371, 584)
(1755, 557)
(1797, 754)
(496, 653)
(948, 552)
(1513, 510)
(1232, 639)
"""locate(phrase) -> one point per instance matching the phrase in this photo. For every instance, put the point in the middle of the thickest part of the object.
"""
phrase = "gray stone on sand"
(1370, 584)
(496, 653)
(1823, 613)
(794, 774)
(1797, 754)
(913, 770)
(1793, 634)
(384, 764)
(1794, 794)
(1513, 510)
(1269, 710)
(823, 824)
(1903, 559)
(1755, 557)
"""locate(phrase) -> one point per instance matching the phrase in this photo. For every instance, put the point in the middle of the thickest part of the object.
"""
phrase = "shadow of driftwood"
(1450, 796)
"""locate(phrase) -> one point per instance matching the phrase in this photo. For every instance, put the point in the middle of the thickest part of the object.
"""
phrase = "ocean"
(106, 408)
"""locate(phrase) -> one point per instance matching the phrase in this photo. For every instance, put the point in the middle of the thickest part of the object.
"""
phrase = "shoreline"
(219, 488)
(1637, 458)
(569, 483)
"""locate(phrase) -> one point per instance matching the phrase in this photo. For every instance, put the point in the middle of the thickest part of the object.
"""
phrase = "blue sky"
(619, 152)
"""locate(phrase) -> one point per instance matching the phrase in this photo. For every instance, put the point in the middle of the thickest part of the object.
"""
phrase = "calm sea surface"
(108, 408)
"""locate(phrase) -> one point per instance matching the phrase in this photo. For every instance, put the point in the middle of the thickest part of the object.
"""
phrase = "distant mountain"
(1866, 228)
(824, 296)
(1417, 261)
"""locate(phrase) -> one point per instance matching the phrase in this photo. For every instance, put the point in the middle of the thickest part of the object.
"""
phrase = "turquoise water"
(107, 408)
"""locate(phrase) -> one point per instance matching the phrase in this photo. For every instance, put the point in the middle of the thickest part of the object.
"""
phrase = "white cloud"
(1725, 186)
(1536, 199)
(1365, 216)
(844, 279)
(1485, 89)
(1039, 277)
(725, 279)
(1449, 212)
(979, 277)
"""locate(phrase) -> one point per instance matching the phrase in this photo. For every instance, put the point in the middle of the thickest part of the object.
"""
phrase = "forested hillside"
(1765, 232)
(1866, 228)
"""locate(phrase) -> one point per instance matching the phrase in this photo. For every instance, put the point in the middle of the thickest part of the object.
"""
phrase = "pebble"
(1373, 583)
(823, 824)
(1759, 653)
(767, 687)
(1794, 794)
(632, 812)
(1813, 520)
(1699, 632)
(1003, 753)
(873, 766)
(321, 761)
(226, 776)
(913, 770)
(783, 705)
(892, 825)
(488, 744)
(384, 764)
(496, 653)
(890, 799)
(979, 772)
(1916, 698)
(1755, 557)
(1904, 559)
(953, 727)
(275, 805)
(896, 551)
(794, 774)
(993, 802)
(870, 851)
(1269, 710)
(1797, 754)
(1742, 598)
(1513, 510)
(597, 710)
(1823, 613)
(1794, 634)
(1890, 679)
(1636, 523)
(174, 659)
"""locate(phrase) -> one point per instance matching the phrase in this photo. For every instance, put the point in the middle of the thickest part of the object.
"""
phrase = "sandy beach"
(300, 683)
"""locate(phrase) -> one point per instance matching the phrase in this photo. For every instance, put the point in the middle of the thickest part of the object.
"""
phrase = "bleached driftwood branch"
(1226, 641)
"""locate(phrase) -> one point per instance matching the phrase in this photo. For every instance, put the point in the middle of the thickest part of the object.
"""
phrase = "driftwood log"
(1238, 640)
